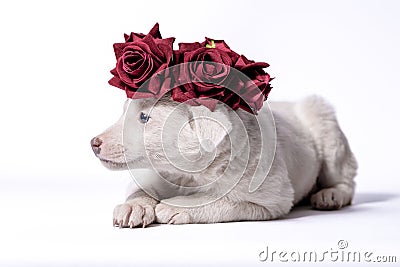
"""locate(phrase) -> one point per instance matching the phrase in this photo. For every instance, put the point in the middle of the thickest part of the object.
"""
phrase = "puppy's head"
(165, 135)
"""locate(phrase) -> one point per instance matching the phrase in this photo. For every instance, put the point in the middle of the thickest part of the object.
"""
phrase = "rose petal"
(189, 46)
(133, 37)
(154, 84)
(115, 81)
(167, 84)
(243, 63)
(210, 103)
(155, 31)
(180, 96)
(153, 48)
(114, 71)
(232, 100)
(119, 49)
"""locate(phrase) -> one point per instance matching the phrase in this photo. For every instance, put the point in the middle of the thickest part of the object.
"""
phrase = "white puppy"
(225, 165)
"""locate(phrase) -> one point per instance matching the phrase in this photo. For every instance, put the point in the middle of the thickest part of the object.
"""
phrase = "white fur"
(312, 158)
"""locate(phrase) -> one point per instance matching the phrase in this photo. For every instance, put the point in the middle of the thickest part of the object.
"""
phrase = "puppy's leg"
(339, 165)
(137, 210)
(339, 168)
(222, 210)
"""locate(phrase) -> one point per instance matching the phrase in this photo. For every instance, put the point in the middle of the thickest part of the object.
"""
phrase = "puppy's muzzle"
(96, 143)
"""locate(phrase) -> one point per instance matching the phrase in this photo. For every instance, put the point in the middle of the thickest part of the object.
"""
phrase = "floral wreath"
(142, 57)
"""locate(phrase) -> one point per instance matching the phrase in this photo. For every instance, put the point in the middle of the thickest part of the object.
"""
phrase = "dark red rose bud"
(155, 32)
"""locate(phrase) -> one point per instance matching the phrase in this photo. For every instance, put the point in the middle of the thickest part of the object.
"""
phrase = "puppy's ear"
(210, 127)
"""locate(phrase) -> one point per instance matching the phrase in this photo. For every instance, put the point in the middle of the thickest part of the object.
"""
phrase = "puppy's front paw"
(171, 215)
(133, 215)
(328, 199)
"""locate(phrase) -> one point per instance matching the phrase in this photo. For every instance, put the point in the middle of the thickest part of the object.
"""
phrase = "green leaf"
(212, 44)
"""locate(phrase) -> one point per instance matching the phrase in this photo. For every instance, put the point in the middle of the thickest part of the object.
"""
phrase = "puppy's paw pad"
(171, 215)
(327, 199)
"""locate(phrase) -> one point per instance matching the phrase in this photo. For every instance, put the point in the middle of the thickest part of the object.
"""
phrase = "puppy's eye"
(144, 118)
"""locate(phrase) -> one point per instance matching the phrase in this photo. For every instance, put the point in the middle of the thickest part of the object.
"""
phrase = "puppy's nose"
(96, 143)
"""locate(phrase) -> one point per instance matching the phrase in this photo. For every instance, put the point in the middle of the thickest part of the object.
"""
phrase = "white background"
(56, 199)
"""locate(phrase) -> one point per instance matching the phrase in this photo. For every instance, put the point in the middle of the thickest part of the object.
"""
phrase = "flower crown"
(148, 67)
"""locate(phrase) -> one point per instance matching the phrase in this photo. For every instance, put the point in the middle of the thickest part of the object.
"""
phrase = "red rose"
(249, 94)
(138, 59)
(206, 69)
(209, 77)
